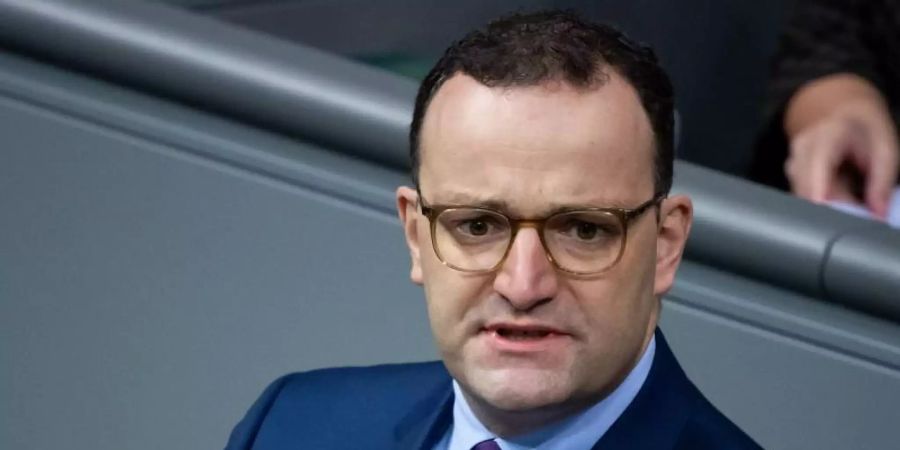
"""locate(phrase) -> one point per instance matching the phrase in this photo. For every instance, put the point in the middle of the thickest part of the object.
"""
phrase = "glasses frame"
(624, 215)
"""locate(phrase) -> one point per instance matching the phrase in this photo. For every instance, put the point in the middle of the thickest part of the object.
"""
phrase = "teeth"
(524, 334)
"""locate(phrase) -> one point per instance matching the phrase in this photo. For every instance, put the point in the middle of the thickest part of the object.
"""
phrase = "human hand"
(845, 149)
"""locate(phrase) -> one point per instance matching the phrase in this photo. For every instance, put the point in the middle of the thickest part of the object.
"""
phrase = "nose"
(527, 278)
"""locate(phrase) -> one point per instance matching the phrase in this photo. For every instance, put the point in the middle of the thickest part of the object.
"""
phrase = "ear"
(407, 209)
(676, 214)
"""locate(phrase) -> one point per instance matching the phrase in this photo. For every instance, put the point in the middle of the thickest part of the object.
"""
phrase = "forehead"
(536, 145)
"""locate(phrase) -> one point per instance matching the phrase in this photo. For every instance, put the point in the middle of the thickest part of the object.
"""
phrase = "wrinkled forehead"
(550, 143)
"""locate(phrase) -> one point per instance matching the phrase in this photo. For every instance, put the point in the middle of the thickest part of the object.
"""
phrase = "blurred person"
(831, 119)
(540, 226)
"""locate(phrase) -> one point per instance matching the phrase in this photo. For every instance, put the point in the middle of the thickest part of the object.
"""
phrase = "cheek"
(637, 269)
(451, 298)
(450, 293)
(619, 303)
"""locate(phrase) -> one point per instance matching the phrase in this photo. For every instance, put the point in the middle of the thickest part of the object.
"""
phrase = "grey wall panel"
(149, 292)
(117, 108)
(866, 262)
(793, 372)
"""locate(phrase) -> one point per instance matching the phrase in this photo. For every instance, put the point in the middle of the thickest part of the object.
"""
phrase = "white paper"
(893, 215)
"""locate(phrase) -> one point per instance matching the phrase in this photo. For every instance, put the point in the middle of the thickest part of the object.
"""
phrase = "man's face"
(532, 150)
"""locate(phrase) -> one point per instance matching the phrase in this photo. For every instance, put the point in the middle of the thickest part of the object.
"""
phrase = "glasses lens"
(584, 241)
(471, 238)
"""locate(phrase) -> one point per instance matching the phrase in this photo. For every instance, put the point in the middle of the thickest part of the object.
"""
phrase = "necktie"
(486, 445)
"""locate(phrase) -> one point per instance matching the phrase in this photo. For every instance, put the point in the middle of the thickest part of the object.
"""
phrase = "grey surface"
(203, 62)
(118, 108)
(150, 289)
(762, 233)
(791, 371)
(868, 262)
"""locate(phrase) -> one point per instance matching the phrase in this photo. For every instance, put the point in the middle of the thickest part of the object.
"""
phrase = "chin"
(520, 389)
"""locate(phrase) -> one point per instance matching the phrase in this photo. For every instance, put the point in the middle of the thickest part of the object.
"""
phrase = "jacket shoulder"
(339, 390)
(320, 406)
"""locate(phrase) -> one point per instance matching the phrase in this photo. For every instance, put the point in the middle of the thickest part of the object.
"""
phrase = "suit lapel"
(658, 413)
(425, 424)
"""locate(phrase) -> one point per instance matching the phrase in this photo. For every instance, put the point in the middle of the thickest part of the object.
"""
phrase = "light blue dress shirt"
(579, 432)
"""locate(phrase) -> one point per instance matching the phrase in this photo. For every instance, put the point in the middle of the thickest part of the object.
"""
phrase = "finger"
(882, 176)
(797, 164)
(842, 189)
(816, 159)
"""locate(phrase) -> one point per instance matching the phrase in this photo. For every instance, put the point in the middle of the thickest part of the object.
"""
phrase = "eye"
(478, 226)
(475, 227)
(586, 231)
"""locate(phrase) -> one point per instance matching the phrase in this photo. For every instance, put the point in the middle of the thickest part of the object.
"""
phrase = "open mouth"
(522, 332)
(522, 335)
(525, 339)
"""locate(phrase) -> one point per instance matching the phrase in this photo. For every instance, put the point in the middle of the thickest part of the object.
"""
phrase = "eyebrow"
(462, 199)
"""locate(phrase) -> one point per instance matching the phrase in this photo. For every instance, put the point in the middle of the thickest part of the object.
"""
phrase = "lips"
(522, 332)
(517, 335)
(524, 340)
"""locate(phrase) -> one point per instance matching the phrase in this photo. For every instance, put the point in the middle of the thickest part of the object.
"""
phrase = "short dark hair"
(528, 49)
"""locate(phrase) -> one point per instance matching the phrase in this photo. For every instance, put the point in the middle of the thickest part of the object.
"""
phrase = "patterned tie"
(486, 445)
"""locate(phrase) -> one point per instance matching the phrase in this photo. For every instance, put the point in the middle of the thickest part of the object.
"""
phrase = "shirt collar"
(581, 431)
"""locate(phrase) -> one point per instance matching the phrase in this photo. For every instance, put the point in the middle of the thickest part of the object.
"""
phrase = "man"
(540, 229)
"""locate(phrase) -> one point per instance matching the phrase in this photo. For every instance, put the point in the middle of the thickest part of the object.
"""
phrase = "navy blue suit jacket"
(409, 406)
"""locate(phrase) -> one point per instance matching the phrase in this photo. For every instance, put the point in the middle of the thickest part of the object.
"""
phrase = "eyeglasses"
(580, 242)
